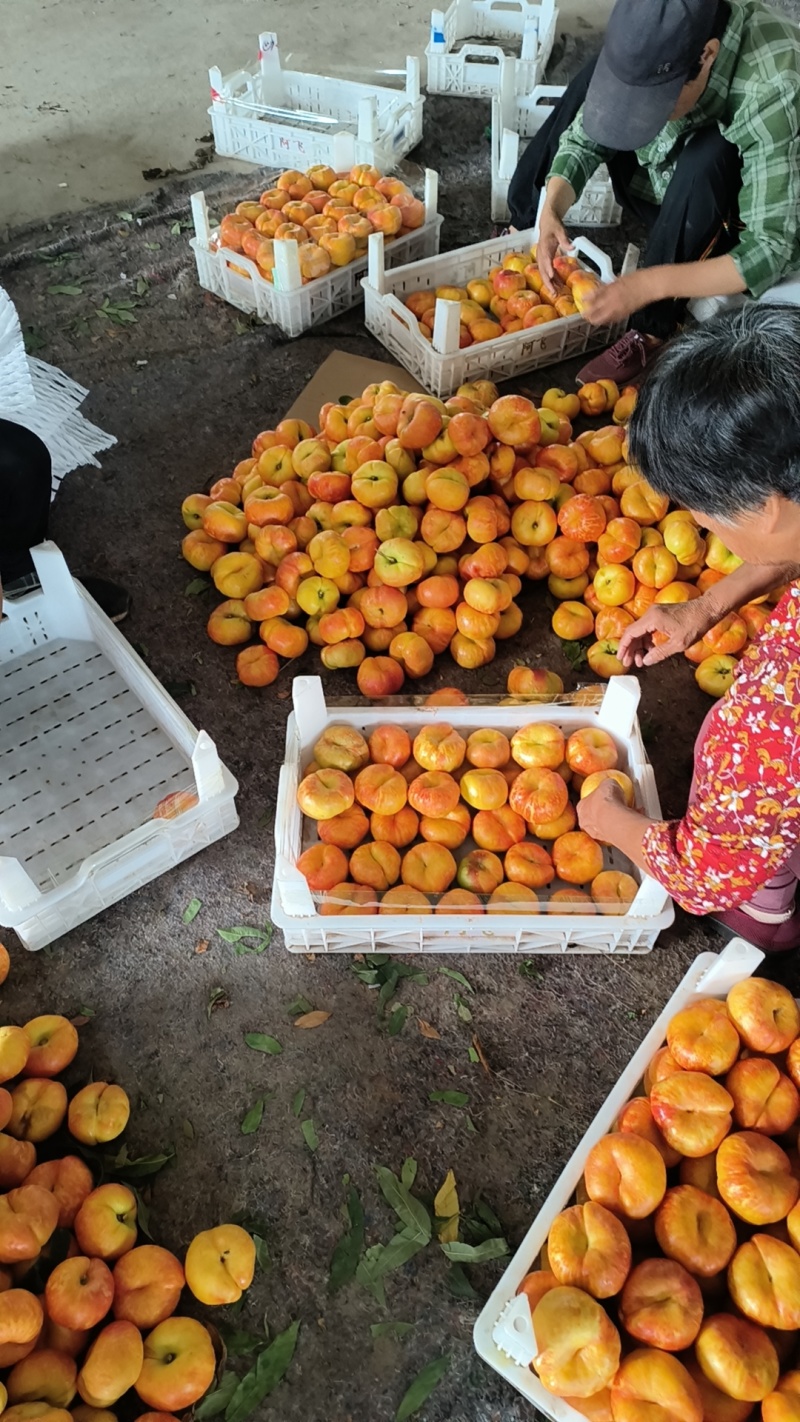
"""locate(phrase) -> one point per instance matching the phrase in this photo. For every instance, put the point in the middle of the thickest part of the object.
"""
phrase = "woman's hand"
(664, 631)
(593, 809)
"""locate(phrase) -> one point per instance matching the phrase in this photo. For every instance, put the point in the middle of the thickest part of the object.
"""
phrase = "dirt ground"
(184, 389)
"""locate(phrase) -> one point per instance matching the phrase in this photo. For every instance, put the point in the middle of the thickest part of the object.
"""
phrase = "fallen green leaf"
(421, 1388)
(87, 1011)
(262, 1379)
(459, 1285)
(298, 1007)
(387, 990)
(152, 246)
(141, 1166)
(449, 1098)
(457, 978)
(65, 290)
(297, 1101)
(309, 1133)
(459, 1253)
(473, 1055)
(125, 216)
(214, 1403)
(198, 586)
(188, 1130)
(262, 1251)
(260, 1042)
(471, 1127)
(370, 1274)
(142, 1214)
(142, 286)
(575, 653)
(397, 1020)
(408, 1174)
(390, 1330)
(252, 1118)
(485, 1213)
(346, 1255)
(239, 1343)
(411, 1212)
(192, 910)
(529, 969)
(461, 1008)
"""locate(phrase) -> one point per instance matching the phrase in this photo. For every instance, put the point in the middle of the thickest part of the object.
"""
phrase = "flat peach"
(692, 1111)
(459, 901)
(765, 1014)
(346, 829)
(535, 1285)
(652, 1384)
(539, 796)
(346, 899)
(430, 868)
(450, 829)
(439, 747)
(764, 1282)
(512, 899)
(627, 1174)
(702, 1172)
(591, 749)
(322, 866)
(400, 829)
(435, 793)
(484, 789)
(381, 789)
(703, 1038)
(636, 1117)
(341, 748)
(764, 1099)
(589, 1248)
(538, 744)
(390, 745)
(325, 793)
(755, 1178)
(717, 1406)
(403, 899)
(499, 830)
(662, 1066)
(579, 1347)
(783, 1405)
(661, 1305)
(376, 864)
(737, 1357)
(696, 1230)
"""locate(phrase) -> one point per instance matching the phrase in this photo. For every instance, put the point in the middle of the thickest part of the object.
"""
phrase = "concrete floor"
(93, 93)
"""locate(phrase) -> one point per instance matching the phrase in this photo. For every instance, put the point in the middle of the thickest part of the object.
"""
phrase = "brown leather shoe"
(625, 362)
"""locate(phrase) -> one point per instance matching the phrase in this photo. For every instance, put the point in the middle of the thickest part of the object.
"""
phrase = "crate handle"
(617, 711)
(308, 700)
(207, 768)
(739, 959)
(17, 889)
(600, 259)
(483, 52)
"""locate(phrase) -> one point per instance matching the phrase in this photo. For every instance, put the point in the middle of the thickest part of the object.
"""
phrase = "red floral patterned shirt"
(745, 821)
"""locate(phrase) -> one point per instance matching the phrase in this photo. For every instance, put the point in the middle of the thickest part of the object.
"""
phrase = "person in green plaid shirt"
(694, 105)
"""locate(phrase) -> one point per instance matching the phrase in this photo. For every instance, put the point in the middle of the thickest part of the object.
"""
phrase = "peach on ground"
(436, 625)
(764, 1099)
(98, 1113)
(700, 1171)
(754, 1178)
(636, 1117)
(737, 1357)
(653, 1384)
(589, 1248)
(627, 1174)
(69, 1180)
(578, 1345)
(179, 1364)
(703, 1038)
(765, 1014)
(696, 1230)
(17, 1160)
(44, 1376)
(692, 1111)
(764, 1282)
(39, 1106)
(53, 1045)
(21, 1320)
(105, 1225)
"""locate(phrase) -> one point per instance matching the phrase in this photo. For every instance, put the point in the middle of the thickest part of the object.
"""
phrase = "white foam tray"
(295, 910)
(459, 64)
(90, 742)
(505, 1320)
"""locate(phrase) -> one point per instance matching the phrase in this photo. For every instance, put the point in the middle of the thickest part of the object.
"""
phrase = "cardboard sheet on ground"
(343, 375)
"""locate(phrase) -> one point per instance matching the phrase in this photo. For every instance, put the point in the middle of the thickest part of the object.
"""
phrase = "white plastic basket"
(281, 118)
(504, 1331)
(287, 302)
(440, 366)
(456, 67)
(90, 742)
(515, 120)
(295, 911)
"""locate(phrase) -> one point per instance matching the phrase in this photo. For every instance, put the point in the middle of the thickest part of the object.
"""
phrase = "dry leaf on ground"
(311, 1019)
(428, 1031)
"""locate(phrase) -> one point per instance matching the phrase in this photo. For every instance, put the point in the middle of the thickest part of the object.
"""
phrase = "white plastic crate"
(90, 743)
(457, 64)
(281, 118)
(515, 120)
(439, 365)
(295, 910)
(286, 301)
(504, 1331)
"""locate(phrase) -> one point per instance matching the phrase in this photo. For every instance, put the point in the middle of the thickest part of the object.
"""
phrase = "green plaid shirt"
(753, 95)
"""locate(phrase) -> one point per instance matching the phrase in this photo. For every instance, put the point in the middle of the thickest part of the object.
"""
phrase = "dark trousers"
(698, 217)
(25, 468)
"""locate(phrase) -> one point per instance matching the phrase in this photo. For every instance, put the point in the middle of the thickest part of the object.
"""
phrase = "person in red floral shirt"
(717, 428)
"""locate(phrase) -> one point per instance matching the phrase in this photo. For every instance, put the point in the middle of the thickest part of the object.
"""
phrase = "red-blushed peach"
(179, 1364)
(346, 899)
(39, 1106)
(98, 1113)
(376, 864)
(498, 830)
(661, 1305)
(783, 1405)
(692, 1111)
(590, 749)
(325, 793)
(717, 1406)
(53, 1045)
(578, 1345)
(765, 1014)
(578, 858)
(596, 1408)
(737, 1357)
(403, 899)
(430, 868)
(754, 1178)
(627, 1174)
(528, 864)
(17, 1159)
(390, 745)
(589, 1248)
(447, 696)
(636, 1118)
(379, 676)
(322, 866)
(534, 681)
(105, 1225)
(147, 1285)
(613, 891)
(21, 1320)
(229, 624)
(439, 747)
(400, 829)
(572, 900)
(450, 830)
(257, 666)
(413, 652)
(553, 829)
(662, 1065)
(538, 745)
(653, 1384)
(696, 1230)
(459, 901)
(69, 1180)
(703, 1038)
(381, 789)
(488, 750)
(763, 1098)
(345, 830)
(764, 1282)
(539, 796)
(512, 898)
(45, 1376)
(481, 871)
(433, 794)
(536, 1284)
(341, 748)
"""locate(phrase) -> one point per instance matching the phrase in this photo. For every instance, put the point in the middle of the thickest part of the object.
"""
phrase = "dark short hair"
(717, 422)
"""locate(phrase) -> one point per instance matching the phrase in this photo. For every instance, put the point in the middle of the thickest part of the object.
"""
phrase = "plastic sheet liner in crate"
(441, 365)
(287, 301)
(462, 58)
(281, 118)
(515, 120)
(503, 1335)
(296, 910)
(90, 745)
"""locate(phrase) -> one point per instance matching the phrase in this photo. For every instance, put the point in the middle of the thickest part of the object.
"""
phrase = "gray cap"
(649, 49)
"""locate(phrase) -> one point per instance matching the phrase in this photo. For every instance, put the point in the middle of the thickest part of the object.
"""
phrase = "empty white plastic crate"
(516, 118)
(441, 365)
(459, 62)
(281, 118)
(287, 301)
(504, 1332)
(296, 910)
(90, 743)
